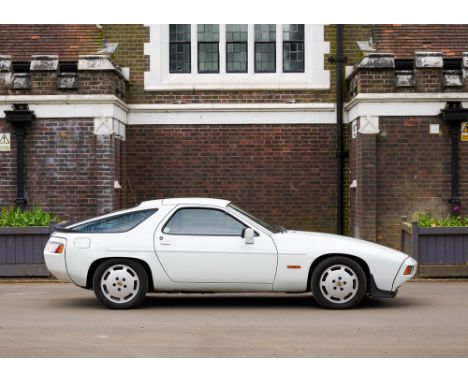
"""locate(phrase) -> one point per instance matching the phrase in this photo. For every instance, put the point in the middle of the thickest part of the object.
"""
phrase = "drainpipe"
(20, 117)
(454, 114)
(340, 154)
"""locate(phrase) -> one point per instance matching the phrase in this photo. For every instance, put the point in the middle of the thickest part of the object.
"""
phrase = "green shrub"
(426, 219)
(15, 217)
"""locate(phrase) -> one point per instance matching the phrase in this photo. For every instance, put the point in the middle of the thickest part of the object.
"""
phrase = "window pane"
(179, 60)
(293, 32)
(201, 221)
(236, 57)
(236, 32)
(293, 48)
(118, 223)
(208, 33)
(179, 48)
(179, 32)
(293, 56)
(208, 57)
(265, 32)
(265, 57)
(208, 49)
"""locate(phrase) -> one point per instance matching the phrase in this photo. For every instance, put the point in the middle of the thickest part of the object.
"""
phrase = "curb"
(29, 280)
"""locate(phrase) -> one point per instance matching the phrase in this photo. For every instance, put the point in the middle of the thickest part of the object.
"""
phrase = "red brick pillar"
(44, 71)
(98, 75)
(108, 132)
(375, 73)
(364, 178)
(429, 72)
(5, 73)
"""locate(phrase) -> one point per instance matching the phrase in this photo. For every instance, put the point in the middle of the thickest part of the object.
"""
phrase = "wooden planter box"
(440, 251)
(21, 251)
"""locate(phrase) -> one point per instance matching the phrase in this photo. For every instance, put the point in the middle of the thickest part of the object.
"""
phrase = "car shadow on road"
(297, 301)
(238, 301)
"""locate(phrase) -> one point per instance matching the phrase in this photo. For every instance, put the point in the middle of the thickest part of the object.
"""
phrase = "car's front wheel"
(338, 282)
(120, 283)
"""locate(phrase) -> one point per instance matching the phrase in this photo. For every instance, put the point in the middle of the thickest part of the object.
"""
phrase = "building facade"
(126, 113)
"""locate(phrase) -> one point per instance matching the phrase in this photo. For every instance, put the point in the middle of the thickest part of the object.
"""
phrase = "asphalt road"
(426, 319)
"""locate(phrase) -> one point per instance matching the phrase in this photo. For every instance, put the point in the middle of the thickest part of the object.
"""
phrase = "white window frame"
(314, 77)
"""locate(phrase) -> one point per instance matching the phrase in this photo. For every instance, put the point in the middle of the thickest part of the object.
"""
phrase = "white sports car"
(211, 245)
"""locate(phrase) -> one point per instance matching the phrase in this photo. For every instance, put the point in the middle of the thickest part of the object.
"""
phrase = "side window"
(115, 224)
(179, 47)
(208, 48)
(265, 48)
(203, 221)
(293, 48)
(236, 48)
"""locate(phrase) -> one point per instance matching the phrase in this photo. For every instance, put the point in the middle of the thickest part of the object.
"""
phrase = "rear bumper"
(56, 265)
(56, 262)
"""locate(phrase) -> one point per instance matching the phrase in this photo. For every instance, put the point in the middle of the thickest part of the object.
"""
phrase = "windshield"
(274, 228)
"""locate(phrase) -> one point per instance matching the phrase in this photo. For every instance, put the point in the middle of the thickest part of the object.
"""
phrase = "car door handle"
(165, 242)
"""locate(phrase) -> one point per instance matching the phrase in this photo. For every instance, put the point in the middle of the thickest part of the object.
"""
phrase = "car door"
(205, 245)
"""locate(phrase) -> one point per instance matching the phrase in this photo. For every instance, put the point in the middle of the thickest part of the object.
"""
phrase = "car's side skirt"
(213, 287)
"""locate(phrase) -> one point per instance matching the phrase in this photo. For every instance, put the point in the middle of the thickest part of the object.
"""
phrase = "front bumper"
(379, 293)
(400, 277)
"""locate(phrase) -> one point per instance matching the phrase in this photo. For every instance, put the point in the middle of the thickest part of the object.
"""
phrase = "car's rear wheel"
(338, 282)
(120, 283)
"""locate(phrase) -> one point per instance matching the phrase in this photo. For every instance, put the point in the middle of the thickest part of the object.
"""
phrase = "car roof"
(195, 201)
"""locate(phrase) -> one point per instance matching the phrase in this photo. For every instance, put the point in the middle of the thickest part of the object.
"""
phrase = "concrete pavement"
(427, 319)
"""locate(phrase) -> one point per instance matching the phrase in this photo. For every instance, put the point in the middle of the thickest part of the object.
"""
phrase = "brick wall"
(285, 174)
(428, 80)
(373, 81)
(7, 168)
(346, 182)
(411, 173)
(384, 80)
(68, 170)
(363, 197)
(89, 82)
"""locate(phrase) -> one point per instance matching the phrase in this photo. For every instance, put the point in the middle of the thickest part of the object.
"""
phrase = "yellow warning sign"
(5, 142)
(464, 131)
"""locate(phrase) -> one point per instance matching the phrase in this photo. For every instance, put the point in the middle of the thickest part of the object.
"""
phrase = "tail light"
(53, 247)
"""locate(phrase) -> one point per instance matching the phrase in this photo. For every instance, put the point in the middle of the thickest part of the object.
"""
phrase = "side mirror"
(248, 235)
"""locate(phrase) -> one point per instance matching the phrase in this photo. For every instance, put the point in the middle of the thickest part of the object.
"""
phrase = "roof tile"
(404, 40)
(68, 41)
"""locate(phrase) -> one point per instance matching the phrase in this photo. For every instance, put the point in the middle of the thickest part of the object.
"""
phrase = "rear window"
(114, 224)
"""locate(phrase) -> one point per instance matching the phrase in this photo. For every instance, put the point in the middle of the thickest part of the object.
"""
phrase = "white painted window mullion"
(194, 49)
(222, 48)
(251, 49)
(279, 48)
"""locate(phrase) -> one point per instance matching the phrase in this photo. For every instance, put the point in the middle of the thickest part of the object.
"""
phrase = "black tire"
(127, 274)
(333, 274)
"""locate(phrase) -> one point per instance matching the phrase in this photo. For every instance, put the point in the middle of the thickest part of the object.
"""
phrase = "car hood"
(301, 242)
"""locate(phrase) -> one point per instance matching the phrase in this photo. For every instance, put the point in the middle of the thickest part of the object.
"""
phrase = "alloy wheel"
(339, 283)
